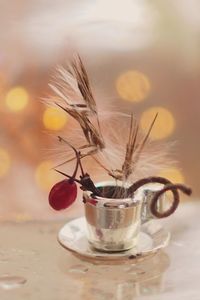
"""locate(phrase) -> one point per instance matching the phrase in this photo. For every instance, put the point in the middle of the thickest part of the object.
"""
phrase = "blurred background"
(141, 56)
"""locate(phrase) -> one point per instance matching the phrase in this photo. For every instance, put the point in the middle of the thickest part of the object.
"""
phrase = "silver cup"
(113, 224)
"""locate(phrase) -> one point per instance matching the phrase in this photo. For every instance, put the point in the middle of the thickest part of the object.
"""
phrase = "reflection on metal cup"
(148, 192)
(113, 224)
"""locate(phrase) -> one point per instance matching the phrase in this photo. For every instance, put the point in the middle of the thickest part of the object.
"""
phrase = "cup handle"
(174, 189)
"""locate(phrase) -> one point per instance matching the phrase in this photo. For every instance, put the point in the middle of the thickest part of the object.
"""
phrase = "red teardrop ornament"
(63, 194)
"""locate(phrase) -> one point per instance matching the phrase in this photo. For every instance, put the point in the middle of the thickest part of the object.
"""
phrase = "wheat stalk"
(74, 96)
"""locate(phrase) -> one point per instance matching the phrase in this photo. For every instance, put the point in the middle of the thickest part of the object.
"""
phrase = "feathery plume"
(123, 154)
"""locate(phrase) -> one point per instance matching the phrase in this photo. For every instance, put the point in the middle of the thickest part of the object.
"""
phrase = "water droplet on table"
(11, 282)
(78, 269)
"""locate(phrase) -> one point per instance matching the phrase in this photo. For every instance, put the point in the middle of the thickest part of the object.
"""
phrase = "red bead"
(62, 194)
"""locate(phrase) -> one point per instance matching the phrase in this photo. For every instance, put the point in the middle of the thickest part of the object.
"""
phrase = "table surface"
(34, 266)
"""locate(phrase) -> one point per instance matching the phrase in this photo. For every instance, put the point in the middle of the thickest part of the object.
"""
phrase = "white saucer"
(151, 238)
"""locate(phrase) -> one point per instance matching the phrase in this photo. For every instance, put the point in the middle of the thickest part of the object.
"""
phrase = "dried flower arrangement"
(75, 97)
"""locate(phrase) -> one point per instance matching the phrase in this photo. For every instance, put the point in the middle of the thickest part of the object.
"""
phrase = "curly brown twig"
(168, 187)
(154, 179)
(173, 188)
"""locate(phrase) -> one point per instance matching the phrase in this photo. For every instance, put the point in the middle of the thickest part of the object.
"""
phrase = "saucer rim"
(126, 256)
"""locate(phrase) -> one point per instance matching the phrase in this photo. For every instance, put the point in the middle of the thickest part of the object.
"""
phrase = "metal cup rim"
(114, 200)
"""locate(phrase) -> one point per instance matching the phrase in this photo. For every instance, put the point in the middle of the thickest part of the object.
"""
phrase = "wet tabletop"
(34, 266)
